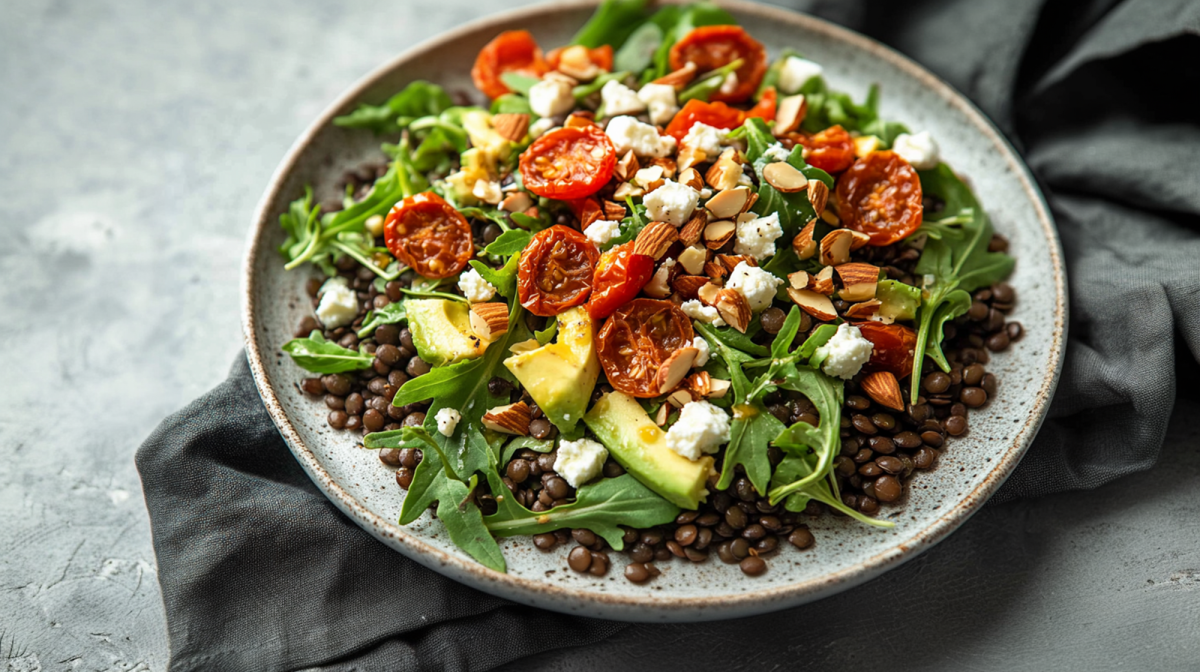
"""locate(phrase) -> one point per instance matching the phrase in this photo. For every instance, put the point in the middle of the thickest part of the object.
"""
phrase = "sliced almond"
(860, 239)
(817, 305)
(803, 244)
(688, 286)
(730, 261)
(864, 309)
(627, 167)
(555, 75)
(828, 216)
(859, 281)
(690, 156)
(679, 398)
(835, 247)
(725, 171)
(517, 201)
(728, 203)
(822, 282)
(692, 258)
(718, 388)
(715, 270)
(668, 166)
(489, 320)
(716, 234)
(576, 61)
(691, 177)
(672, 371)
(655, 239)
(798, 280)
(692, 231)
(785, 177)
(734, 309)
(581, 119)
(511, 126)
(509, 419)
(679, 78)
(613, 211)
(487, 191)
(707, 294)
(818, 195)
(750, 202)
(864, 145)
(664, 413)
(647, 175)
(700, 383)
(883, 387)
(789, 114)
(659, 286)
(654, 185)
(627, 190)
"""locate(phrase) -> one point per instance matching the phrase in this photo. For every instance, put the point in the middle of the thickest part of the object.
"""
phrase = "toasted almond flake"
(860, 239)
(687, 286)
(691, 177)
(798, 280)
(785, 177)
(715, 270)
(659, 286)
(613, 211)
(627, 190)
(679, 398)
(655, 239)
(835, 247)
(510, 126)
(647, 175)
(489, 320)
(859, 281)
(575, 61)
(692, 258)
(664, 413)
(717, 233)
(883, 387)
(803, 244)
(789, 114)
(581, 119)
(719, 387)
(750, 202)
(654, 185)
(627, 167)
(734, 309)
(517, 201)
(692, 231)
(509, 419)
(864, 309)
(707, 294)
(730, 261)
(822, 282)
(488, 192)
(728, 203)
(667, 164)
(818, 195)
(690, 156)
(678, 78)
(817, 305)
(561, 77)
(864, 145)
(725, 171)
(829, 218)
(672, 371)
(700, 383)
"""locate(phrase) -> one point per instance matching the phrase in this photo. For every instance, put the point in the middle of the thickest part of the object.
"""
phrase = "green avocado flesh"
(560, 375)
(441, 331)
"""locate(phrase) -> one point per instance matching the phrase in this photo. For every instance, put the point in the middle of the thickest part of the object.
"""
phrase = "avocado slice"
(898, 300)
(560, 375)
(640, 446)
(441, 330)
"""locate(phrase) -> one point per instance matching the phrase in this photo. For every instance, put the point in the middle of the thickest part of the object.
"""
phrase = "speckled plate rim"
(651, 606)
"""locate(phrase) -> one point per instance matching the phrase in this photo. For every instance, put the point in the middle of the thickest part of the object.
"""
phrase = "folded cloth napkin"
(260, 572)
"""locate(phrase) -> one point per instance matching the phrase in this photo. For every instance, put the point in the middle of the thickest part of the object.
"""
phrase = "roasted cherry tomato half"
(636, 340)
(696, 111)
(894, 347)
(429, 235)
(880, 195)
(766, 106)
(601, 57)
(831, 150)
(569, 163)
(511, 51)
(586, 210)
(555, 271)
(711, 47)
(619, 276)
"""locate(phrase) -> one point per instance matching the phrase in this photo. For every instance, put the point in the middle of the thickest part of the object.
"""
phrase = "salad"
(663, 294)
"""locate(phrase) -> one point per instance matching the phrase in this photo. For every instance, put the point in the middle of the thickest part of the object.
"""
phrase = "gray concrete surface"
(135, 138)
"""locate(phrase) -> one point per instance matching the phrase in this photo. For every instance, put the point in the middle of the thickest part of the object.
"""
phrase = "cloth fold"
(260, 572)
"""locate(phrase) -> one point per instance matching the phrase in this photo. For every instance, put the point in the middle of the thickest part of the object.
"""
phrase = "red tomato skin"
(455, 240)
(620, 275)
(510, 51)
(831, 150)
(717, 115)
(585, 153)
(766, 107)
(540, 252)
(711, 47)
(891, 190)
(895, 345)
(601, 57)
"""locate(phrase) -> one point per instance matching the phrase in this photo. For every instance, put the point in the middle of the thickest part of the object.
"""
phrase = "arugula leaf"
(824, 440)
(676, 22)
(612, 23)
(794, 209)
(321, 356)
(393, 313)
(827, 107)
(797, 467)
(420, 98)
(546, 335)
(525, 443)
(637, 53)
(959, 261)
(533, 224)
(504, 279)
(710, 83)
(631, 226)
(512, 103)
(519, 83)
(509, 242)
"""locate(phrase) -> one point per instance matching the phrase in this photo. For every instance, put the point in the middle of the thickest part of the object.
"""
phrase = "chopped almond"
(785, 177)
(692, 259)
(692, 231)
(803, 244)
(627, 167)
(725, 171)
(716, 234)
(734, 309)
(883, 387)
(655, 239)
(672, 371)
(859, 281)
(489, 320)
(789, 114)
(822, 282)
(864, 309)
(679, 78)
(817, 305)
(509, 419)
(691, 177)
(688, 285)
(517, 201)
(613, 211)
(835, 247)
(513, 127)
(818, 195)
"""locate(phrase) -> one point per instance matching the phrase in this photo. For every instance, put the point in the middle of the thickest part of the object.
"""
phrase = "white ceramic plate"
(846, 554)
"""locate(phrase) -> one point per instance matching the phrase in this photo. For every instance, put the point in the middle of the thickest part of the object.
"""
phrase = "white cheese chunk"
(628, 134)
(580, 461)
(756, 237)
(474, 287)
(602, 230)
(660, 101)
(845, 353)
(705, 138)
(447, 420)
(705, 352)
(551, 97)
(796, 72)
(701, 428)
(698, 311)
(776, 152)
(672, 203)
(919, 149)
(338, 306)
(620, 99)
(757, 285)
(539, 128)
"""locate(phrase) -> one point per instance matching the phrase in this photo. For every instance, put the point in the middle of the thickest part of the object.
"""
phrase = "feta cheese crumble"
(580, 461)
(339, 305)
(539, 128)
(776, 152)
(698, 311)
(672, 203)
(628, 134)
(551, 97)
(620, 99)
(705, 138)
(660, 101)
(796, 72)
(757, 285)
(705, 352)
(920, 149)
(756, 237)
(447, 420)
(845, 353)
(701, 428)
(602, 230)
(474, 287)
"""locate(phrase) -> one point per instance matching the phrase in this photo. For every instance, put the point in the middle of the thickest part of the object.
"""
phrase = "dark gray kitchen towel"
(260, 572)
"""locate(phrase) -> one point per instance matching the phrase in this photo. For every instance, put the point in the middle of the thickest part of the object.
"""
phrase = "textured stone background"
(135, 138)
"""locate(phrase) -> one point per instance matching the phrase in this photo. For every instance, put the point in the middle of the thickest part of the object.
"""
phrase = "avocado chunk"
(898, 300)
(441, 331)
(560, 375)
(640, 446)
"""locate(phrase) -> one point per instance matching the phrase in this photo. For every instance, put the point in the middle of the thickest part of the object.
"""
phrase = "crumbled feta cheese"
(538, 128)
(756, 237)
(705, 352)
(757, 285)
(744, 180)
(660, 100)
(620, 99)
(706, 193)
(672, 202)
(580, 461)
(474, 287)
(658, 287)
(602, 230)
(628, 133)
(705, 138)
(701, 428)
(796, 72)
(551, 97)
(776, 152)
(845, 353)
(729, 84)
(698, 311)
(919, 149)
(447, 420)
(487, 191)
(338, 306)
